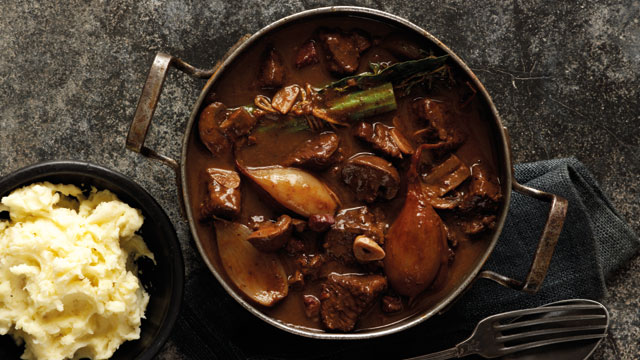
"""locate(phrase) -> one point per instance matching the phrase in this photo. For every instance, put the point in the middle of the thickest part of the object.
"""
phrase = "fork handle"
(440, 355)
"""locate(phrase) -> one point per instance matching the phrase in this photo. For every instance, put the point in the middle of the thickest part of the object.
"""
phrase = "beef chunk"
(238, 124)
(440, 126)
(361, 39)
(307, 55)
(371, 177)
(477, 223)
(311, 306)
(402, 48)
(271, 236)
(343, 50)
(310, 265)
(452, 237)
(350, 223)
(384, 139)
(294, 246)
(480, 202)
(223, 198)
(391, 304)
(272, 71)
(296, 281)
(345, 297)
(316, 153)
(321, 223)
(209, 128)
(484, 190)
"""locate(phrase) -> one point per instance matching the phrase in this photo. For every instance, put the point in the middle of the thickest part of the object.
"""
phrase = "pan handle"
(546, 245)
(147, 106)
(149, 100)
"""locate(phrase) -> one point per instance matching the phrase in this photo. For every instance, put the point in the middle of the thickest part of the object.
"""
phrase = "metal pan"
(148, 102)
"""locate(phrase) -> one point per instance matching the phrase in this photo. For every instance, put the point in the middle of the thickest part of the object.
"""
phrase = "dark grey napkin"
(595, 241)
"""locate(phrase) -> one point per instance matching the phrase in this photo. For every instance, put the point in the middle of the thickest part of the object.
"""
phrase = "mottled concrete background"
(565, 77)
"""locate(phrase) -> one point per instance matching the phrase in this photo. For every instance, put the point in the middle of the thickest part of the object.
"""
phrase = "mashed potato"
(67, 282)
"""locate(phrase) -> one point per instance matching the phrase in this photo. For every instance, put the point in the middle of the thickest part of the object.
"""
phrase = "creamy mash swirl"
(68, 287)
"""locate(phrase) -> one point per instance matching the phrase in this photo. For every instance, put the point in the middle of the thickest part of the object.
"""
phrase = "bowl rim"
(501, 142)
(40, 171)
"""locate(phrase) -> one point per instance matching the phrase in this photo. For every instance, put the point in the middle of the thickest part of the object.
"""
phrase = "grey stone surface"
(565, 77)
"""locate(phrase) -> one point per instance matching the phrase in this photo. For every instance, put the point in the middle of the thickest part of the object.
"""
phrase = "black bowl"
(164, 282)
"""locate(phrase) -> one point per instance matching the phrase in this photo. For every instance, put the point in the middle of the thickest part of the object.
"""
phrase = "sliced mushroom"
(284, 99)
(295, 189)
(445, 177)
(260, 276)
(272, 236)
(403, 143)
(371, 176)
(366, 249)
(209, 128)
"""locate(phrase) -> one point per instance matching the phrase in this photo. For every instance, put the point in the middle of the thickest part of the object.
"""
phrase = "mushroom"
(445, 177)
(271, 236)
(403, 143)
(284, 99)
(371, 176)
(366, 249)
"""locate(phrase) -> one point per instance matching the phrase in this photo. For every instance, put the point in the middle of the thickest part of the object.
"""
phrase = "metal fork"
(521, 330)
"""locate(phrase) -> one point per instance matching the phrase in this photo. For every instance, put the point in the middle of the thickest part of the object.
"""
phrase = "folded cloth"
(594, 242)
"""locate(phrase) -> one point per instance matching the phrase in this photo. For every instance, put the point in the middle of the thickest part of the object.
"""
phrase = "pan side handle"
(546, 244)
(149, 101)
(147, 106)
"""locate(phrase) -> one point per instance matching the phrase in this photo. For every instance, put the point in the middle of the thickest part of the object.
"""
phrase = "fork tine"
(505, 338)
(546, 309)
(535, 344)
(548, 320)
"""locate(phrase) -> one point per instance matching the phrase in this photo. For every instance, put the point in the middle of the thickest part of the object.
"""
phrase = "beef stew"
(346, 186)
